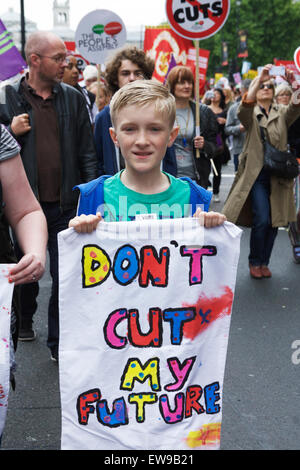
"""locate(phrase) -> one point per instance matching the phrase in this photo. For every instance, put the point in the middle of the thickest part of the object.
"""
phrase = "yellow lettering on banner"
(96, 265)
(141, 399)
(135, 371)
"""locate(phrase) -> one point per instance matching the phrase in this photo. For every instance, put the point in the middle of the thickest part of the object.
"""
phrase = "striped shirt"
(8, 145)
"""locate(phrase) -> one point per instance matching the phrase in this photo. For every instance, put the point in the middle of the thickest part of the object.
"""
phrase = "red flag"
(160, 43)
(203, 64)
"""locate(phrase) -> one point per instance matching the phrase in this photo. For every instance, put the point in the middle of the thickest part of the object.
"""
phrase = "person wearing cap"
(90, 75)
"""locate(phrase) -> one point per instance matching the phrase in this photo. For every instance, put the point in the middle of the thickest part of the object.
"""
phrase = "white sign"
(98, 34)
(6, 292)
(197, 20)
(145, 309)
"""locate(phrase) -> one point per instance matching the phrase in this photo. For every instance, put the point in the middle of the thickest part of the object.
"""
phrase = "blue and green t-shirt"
(122, 203)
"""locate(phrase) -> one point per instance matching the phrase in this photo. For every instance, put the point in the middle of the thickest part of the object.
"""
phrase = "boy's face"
(143, 135)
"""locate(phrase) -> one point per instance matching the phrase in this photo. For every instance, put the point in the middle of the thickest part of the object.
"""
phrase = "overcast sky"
(132, 12)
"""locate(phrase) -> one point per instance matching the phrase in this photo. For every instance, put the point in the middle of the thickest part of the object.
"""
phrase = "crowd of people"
(58, 133)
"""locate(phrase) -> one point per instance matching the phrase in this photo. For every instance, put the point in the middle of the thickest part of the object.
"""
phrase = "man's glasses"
(266, 85)
(58, 59)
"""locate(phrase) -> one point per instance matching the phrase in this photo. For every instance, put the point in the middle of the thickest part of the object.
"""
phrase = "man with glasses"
(49, 119)
(127, 65)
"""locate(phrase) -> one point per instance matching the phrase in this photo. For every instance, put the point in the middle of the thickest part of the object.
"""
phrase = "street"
(261, 390)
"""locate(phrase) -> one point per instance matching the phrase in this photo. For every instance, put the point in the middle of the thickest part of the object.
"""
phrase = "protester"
(103, 97)
(71, 77)
(283, 95)
(71, 72)
(143, 117)
(229, 97)
(127, 65)
(180, 82)
(90, 75)
(237, 93)
(222, 155)
(19, 209)
(50, 121)
(258, 199)
(208, 95)
(234, 128)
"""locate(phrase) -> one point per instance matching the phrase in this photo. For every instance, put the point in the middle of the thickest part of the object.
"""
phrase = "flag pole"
(198, 106)
(23, 39)
(197, 97)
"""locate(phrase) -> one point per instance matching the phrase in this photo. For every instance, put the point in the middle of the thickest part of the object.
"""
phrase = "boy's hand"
(85, 223)
(209, 219)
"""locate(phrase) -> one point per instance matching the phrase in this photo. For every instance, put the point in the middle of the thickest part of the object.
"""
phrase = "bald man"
(49, 119)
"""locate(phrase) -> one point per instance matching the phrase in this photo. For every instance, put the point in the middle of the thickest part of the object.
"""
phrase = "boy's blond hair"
(141, 93)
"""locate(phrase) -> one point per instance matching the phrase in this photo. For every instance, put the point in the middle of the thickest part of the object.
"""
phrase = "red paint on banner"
(208, 310)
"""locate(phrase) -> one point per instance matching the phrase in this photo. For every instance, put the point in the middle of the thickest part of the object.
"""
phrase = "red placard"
(162, 43)
(297, 58)
(193, 19)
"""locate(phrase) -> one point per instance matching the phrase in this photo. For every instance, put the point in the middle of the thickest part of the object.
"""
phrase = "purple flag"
(11, 61)
(172, 64)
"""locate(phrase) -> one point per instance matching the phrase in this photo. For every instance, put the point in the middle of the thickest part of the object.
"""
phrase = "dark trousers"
(236, 161)
(203, 168)
(262, 233)
(218, 159)
(56, 222)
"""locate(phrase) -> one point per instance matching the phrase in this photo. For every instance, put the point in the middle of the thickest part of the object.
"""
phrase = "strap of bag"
(262, 134)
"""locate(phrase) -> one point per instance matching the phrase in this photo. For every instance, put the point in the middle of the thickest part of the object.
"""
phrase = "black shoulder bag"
(278, 163)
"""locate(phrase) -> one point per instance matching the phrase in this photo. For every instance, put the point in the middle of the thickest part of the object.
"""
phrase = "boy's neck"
(154, 183)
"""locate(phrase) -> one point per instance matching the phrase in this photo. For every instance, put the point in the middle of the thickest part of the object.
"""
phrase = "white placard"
(6, 292)
(144, 326)
(98, 34)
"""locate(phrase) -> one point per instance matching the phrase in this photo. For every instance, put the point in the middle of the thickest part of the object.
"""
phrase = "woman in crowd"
(20, 210)
(104, 95)
(218, 107)
(257, 199)
(71, 77)
(283, 95)
(181, 84)
(229, 97)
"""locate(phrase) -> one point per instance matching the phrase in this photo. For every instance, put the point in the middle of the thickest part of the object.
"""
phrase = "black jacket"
(78, 156)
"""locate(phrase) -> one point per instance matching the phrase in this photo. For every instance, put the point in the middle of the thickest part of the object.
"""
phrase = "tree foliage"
(272, 32)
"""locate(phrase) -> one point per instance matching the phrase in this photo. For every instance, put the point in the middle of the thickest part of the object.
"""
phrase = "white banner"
(145, 312)
(6, 292)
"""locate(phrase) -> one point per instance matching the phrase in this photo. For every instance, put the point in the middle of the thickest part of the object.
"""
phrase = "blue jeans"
(236, 161)
(262, 234)
(56, 222)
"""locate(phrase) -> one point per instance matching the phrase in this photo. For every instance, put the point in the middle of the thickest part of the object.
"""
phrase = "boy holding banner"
(143, 116)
